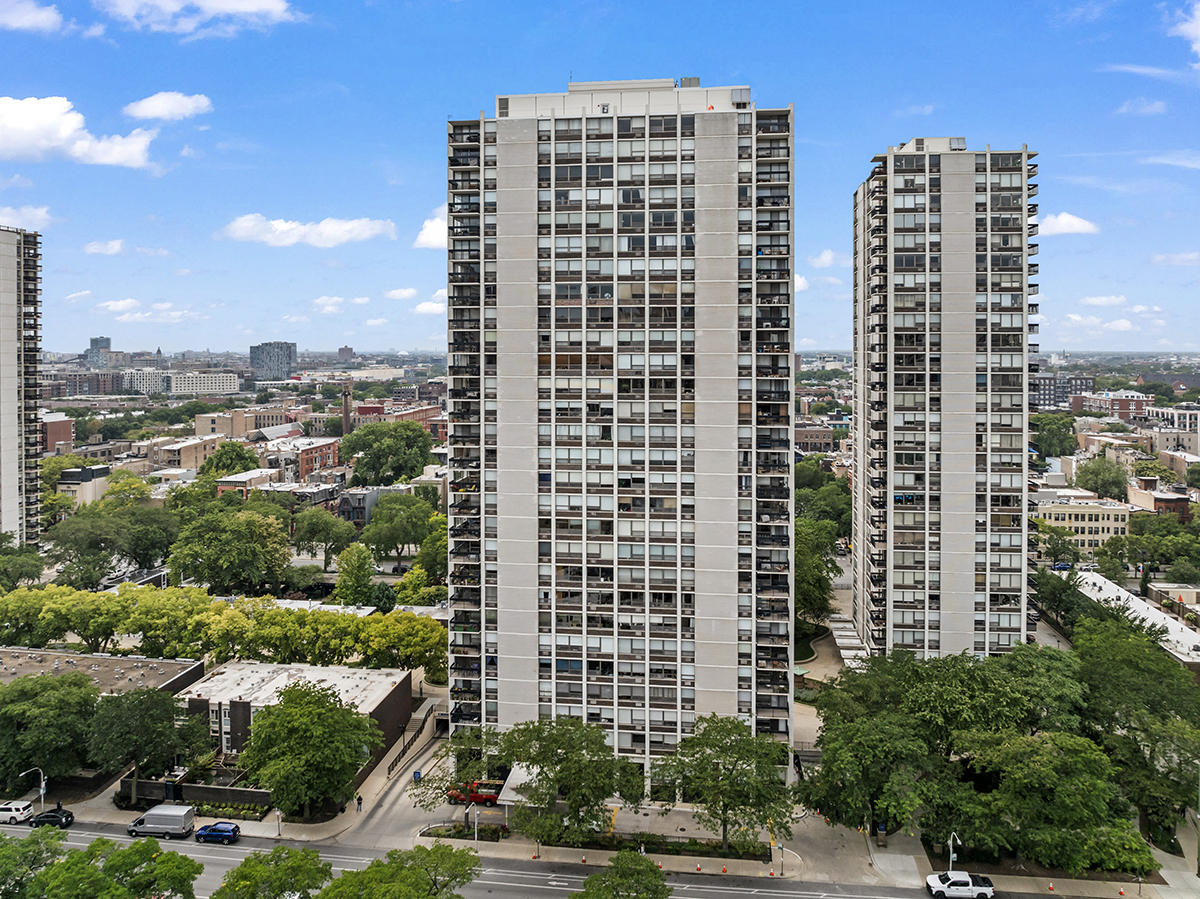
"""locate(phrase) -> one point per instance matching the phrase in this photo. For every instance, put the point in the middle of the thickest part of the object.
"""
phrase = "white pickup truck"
(959, 885)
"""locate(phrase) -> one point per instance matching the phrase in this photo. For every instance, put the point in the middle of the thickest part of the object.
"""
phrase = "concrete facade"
(620, 271)
(20, 349)
(942, 301)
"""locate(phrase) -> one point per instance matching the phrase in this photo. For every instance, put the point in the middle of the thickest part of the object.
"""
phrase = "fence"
(412, 738)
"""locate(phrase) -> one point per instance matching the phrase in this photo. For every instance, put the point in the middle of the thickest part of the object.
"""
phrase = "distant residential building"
(246, 481)
(1056, 388)
(301, 456)
(234, 423)
(20, 355)
(57, 429)
(199, 383)
(1092, 521)
(1122, 404)
(813, 437)
(1147, 494)
(190, 452)
(273, 361)
(84, 485)
(345, 353)
(1183, 417)
(103, 450)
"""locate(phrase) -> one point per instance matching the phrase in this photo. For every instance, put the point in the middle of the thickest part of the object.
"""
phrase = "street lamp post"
(474, 805)
(42, 788)
(950, 844)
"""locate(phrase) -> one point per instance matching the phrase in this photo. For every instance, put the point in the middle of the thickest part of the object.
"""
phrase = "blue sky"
(215, 173)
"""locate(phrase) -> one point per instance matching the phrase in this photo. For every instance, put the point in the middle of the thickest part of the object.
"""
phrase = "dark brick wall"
(393, 713)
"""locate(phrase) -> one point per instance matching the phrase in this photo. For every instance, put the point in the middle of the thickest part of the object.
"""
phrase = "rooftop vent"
(958, 143)
(689, 82)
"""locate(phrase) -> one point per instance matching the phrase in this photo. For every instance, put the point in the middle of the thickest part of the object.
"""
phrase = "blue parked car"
(223, 832)
(1061, 566)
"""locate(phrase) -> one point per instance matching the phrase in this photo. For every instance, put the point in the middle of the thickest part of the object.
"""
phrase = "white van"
(15, 811)
(167, 821)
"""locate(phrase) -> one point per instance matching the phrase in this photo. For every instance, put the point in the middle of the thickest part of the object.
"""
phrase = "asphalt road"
(500, 878)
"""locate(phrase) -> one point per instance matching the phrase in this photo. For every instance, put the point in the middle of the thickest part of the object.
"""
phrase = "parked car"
(168, 821)
(1089, 566)
(15, 811)
(485, 793)
(223, 832)
(1061, 566)
(56, 817)
(952, 884)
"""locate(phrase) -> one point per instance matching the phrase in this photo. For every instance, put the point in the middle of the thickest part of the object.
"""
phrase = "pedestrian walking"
(641, 849)
(358, 802)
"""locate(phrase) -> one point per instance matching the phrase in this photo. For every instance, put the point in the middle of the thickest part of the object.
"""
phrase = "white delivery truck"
(167, 821)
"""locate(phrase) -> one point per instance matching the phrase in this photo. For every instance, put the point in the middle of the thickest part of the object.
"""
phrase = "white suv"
(15, 811)
(959, 885)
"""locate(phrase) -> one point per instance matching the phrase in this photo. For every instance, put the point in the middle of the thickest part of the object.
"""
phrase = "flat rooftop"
(110, 674)
(259, 683)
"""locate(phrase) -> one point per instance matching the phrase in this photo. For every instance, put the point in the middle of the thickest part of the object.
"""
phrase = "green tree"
(243, 551)
(21, 621)
(1058, 544)
(147, 534)
(1053, 798)
(1054, 434)
(424, 872)
(318, 529)
(405, 640)
(1193, 476)
(1103, 477)
(815, 568)
(283, 873)
(333, 426)
(430, 494)
(733, 776)
(1152, 468)
(308, 746)
(572, 773)
(87, 544)
(1111, 567)
(44, 722)
(141, 870)
(21, 858)
(18, 564)
(628, 876)
(1183, 571)
(387, 452)
(469, 754)
(356, 567)
(96, 618)
(124, 488)
(135, 728)
(169, 621)
(434, 553)
(231, 457)
(398, 521)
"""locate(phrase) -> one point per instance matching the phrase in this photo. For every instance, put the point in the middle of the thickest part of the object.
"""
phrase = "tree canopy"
(308, 746)
(1103, 477)
(628, 876)
(243, 552)
(230, 457)
(282, 873)
(318, 530)
(387, 452)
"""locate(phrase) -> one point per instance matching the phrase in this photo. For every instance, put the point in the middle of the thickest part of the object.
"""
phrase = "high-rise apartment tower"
(942, 303)
(273, 361)
(20, 349)
(620, 290)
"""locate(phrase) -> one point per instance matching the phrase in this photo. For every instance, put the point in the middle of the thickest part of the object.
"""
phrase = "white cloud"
(375, 322)
(295, 319)
(328, 305)
(77, 295)
(1120, 324)
(828, 258)
(1142, 310)
(40, 127)
(183, 272)
(104, 248)
(15, 181)
(915, 110)
(153, 251)
(200, 18)
(169, 106)
(187, 152)
(401, 293)
(433, 231)
(806, 341)
(436, 305)
(96, 30)
(1103, 301)
(25, 15)
(118, 305)
(360, 301)
(1142, 106)
(326, 233)
(826, 279)
(801, 283)
(1065, 223)
(1176, 259)
(165, 317)
(161, 306)
(1184, 159)
(1189, 29)
(31, 218)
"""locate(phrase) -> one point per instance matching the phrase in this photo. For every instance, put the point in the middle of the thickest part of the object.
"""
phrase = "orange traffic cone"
(1051, 887)
(697, 867)
(1122, 892)
(583, 861)
(723, 869)
(660, 866)
(772, 872)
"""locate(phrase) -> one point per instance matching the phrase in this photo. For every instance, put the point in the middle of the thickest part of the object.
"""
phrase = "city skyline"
(199, 180)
